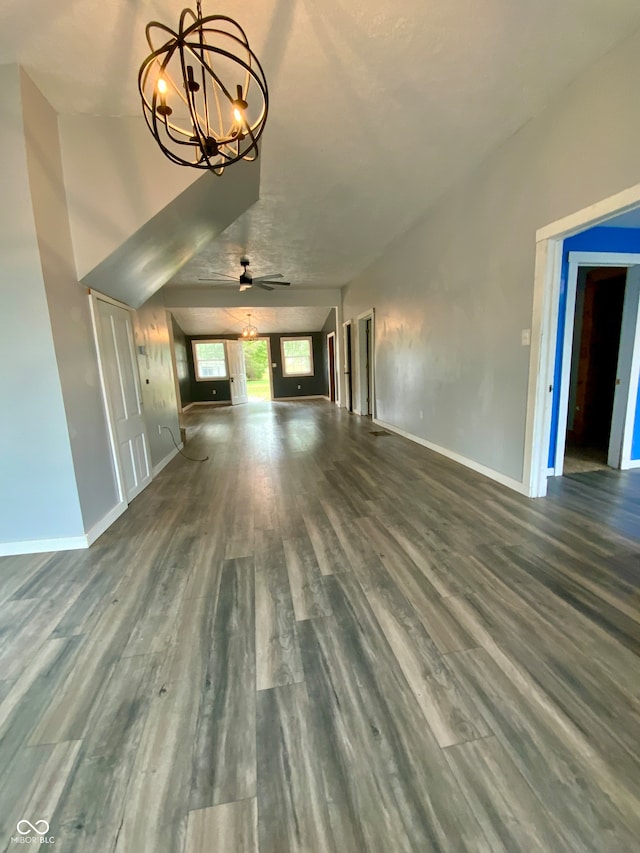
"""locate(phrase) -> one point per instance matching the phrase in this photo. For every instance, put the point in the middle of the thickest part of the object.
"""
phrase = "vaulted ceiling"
(376, 107)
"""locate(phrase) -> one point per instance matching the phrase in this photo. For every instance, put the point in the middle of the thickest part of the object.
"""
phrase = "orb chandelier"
(204, 94)
(249, 332)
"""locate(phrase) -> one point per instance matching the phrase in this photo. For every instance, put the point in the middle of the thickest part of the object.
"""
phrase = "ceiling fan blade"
(221, 280)
(255, 283)
(267, 277)
(278, 283)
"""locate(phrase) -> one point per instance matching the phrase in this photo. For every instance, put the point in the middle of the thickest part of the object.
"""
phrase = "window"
(210, 360)
(297, 356)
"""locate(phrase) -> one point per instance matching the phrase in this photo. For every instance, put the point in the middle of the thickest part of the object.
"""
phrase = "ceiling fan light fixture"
(249, 332)
(204, 94)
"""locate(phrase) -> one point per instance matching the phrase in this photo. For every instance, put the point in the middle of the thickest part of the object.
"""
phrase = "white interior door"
(124, 398)
(237, 373)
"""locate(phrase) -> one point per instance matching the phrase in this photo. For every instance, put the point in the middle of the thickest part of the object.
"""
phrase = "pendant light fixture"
(204, 93)
(249, 332)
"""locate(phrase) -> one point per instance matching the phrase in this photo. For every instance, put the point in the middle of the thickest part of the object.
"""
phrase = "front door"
(122, 387)
(237, 373)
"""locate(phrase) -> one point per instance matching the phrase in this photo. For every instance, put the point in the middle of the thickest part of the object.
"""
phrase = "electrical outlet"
(421, 414)
(214, 392)
(299, 386)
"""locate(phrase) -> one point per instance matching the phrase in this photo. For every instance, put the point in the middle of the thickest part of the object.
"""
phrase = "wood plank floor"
(325, 640)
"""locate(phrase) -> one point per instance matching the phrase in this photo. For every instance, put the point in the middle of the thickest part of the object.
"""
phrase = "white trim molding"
(164, 462)
(65, 543)
(509, 482)
(105, 522)
(592, 215)
(42, 546)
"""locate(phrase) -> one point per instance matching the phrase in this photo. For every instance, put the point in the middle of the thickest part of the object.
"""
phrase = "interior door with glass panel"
(237, 373)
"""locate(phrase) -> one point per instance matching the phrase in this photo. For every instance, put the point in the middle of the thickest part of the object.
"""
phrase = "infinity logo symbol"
(31, 828)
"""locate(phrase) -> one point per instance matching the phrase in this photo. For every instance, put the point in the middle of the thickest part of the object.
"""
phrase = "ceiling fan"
(247, 280)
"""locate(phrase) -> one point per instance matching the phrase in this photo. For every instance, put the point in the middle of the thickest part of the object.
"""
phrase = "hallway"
(325, 640)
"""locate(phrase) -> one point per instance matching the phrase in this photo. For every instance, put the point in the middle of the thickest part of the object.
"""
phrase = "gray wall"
(329, 326)
(180, 350)
(68, 312)
(156, 375)
(38, 492)
(453, 294)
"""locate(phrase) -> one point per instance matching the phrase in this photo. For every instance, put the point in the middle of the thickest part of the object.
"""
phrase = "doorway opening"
(347, 366)
(605, 234)
(257, 359)
(594, 363)
(331, 366)
(366, 365)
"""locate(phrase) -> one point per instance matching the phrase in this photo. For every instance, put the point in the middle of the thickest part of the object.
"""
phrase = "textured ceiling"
(376, 107)
(229, 321)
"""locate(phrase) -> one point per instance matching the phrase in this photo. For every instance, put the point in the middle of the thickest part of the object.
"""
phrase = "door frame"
(336, 384)
(348, 364)
(624, 408)
(269, 364)
(94, 297)
(546, 302)
(361, 384)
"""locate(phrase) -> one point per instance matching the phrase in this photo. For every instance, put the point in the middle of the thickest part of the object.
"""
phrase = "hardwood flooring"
(324, 640)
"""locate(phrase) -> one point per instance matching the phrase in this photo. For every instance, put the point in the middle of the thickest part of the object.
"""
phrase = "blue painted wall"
(597, 239)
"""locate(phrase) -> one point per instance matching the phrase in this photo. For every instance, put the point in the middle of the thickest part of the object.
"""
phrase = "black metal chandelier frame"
(235, 140)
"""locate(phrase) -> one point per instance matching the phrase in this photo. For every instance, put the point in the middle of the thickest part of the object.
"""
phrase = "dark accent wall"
(283, 386)
(287, 386)
(202, 391)
(182, 347)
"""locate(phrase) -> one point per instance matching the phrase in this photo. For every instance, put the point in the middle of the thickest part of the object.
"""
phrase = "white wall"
(116, 179)
(68, 311)
(453, 294)
(38, 496)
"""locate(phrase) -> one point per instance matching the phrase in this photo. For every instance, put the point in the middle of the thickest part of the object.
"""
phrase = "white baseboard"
(164, 462)
(632, 463)
(65, 543)
(301, 397)
(105, 522)
(41, 546)
(509, 482)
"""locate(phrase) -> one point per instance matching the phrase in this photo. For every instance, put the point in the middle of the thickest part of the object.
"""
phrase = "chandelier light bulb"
(249, 331)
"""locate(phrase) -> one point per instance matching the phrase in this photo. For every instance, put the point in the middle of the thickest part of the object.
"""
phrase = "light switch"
(526, 337)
